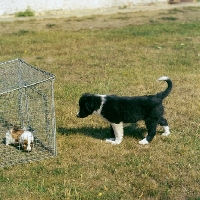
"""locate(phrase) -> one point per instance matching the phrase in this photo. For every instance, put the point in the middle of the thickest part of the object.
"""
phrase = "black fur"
(117, 109)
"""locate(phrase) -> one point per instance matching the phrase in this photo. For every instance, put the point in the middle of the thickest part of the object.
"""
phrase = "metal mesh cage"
(26, 100)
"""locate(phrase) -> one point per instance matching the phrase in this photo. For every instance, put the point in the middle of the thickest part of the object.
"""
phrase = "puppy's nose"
(27, 147)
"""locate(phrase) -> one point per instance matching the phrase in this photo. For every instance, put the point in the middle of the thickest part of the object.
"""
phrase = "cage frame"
(45, 149)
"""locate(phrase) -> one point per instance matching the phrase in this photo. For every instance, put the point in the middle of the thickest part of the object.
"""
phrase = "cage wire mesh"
(26, 100)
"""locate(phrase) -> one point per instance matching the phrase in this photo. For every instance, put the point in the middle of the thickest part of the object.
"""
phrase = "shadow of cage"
(26, 100)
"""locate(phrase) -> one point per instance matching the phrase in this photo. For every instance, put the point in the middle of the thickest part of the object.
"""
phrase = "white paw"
(116, 142)
(144, 141)
(110, 140)
(113, 141)
(166, 133)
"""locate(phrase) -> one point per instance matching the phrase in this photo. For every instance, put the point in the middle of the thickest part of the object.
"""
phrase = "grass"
(125, 60)
(27, 13)
(169, 18)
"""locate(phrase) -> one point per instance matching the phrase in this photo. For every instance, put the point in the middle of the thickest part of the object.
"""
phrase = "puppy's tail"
(165, 93)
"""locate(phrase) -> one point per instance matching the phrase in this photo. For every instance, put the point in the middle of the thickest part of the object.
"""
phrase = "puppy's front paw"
(110, 140)
(144, 141)
(116, 142)
(113, 141)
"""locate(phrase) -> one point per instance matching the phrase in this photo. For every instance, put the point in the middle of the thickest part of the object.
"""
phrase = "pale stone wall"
(8, 7)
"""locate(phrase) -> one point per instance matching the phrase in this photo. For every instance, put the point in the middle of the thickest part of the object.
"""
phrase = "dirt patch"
(115, 17)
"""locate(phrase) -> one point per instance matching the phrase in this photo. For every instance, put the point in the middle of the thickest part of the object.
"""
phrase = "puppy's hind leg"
(118, 132)
(164, 124)
(166, 131)
(151, 127)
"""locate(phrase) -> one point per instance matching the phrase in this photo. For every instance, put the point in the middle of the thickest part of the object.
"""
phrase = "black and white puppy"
(119, 110)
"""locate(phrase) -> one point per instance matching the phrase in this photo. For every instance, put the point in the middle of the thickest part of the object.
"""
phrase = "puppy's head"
(26, 146)
(88, 103)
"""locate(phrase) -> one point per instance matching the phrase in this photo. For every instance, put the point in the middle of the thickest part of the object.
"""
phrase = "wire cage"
(26, 100)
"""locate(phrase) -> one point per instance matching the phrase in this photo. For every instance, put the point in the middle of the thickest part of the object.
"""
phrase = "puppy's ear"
(89, 106)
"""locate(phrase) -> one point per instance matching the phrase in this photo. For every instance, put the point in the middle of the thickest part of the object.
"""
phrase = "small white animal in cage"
(21, 137)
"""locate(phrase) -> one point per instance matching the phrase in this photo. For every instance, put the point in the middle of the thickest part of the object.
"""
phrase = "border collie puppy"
(119, 110)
